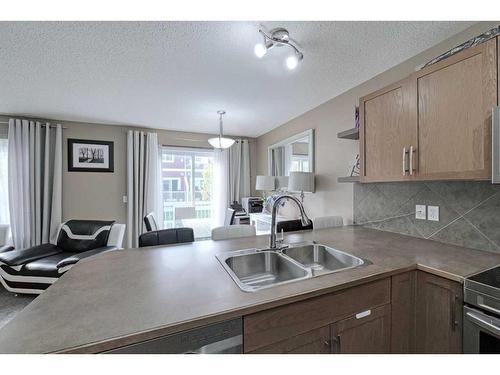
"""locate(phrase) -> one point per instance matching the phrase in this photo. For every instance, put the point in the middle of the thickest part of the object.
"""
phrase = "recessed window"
(187, 180)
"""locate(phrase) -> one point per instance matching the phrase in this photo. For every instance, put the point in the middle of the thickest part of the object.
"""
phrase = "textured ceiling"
(176, 75)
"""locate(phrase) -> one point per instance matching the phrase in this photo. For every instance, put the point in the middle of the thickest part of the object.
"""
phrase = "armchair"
(34, 269)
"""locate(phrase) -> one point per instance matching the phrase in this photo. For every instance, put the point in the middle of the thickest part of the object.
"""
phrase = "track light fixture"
(279, 37)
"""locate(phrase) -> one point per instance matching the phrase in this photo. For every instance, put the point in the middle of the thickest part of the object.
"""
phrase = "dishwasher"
(219, 338)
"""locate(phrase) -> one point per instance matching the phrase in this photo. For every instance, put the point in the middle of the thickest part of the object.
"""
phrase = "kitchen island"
(129, 296)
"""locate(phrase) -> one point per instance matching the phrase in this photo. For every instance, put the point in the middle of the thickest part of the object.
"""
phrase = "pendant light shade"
(221, 142)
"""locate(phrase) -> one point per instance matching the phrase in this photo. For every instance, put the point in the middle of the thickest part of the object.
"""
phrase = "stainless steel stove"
(482, 312)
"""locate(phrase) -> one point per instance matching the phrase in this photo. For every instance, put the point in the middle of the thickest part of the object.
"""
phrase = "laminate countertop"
(127, 296)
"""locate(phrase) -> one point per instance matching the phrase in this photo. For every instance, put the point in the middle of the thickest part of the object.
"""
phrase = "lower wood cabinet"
(367, 332)
(439, 306)
(316, 341)
(412, 312)
(301, 325)
(403, 294)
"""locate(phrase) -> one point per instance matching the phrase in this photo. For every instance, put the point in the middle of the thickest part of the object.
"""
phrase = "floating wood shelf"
(348, 179)
(349, 134)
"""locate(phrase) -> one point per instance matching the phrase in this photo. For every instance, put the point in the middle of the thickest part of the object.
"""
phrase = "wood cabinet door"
(438, 315)
(455, 97)
(387, 128)
(313, 342)
(362, 333)
(403, 313)
(281, 323)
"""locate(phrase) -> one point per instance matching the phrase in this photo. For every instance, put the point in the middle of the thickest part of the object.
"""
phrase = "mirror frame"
(309, 132)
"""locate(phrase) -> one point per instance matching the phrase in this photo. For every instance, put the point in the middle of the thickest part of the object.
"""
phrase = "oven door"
(481, 332)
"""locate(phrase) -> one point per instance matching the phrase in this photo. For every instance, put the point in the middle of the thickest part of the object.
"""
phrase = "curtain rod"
(200, 147)
(249, 140)
(43, 125)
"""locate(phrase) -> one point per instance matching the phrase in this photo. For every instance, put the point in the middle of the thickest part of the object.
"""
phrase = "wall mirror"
(294, 154)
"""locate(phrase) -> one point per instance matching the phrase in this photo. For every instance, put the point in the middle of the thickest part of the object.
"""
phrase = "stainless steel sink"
(255, 269)
(322, 259)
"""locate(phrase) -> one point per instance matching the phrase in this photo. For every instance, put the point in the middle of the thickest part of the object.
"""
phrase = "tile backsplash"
(469, 212)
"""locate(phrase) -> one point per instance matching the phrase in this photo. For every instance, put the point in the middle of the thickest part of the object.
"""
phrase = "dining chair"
(229, 219)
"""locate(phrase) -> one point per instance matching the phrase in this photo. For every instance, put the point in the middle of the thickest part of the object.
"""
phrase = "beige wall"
(88, 195)
(99, 195)
(333, 155)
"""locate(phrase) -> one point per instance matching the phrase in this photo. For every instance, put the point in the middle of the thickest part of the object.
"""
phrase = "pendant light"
(221, 142)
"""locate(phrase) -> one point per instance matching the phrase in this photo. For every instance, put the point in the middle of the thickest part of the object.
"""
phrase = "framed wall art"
(90, 156)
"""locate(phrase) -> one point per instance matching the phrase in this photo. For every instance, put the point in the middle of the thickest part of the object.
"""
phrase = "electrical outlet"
(421, 211)
(433, 213)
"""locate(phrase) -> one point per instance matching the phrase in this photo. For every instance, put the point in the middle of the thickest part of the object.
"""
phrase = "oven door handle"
(480, 321)
(481, 303)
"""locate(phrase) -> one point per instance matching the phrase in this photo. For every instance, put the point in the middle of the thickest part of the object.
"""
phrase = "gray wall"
(333, 155)
(89, 195)
(469, 211)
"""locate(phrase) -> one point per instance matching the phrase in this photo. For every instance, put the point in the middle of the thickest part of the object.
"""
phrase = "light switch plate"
(433, 213)
(421, 211)
(125, 199)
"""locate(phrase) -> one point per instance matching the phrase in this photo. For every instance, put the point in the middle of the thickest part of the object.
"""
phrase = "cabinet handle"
(337, 348)
(411, 160)
(404, 161)
(454, 321)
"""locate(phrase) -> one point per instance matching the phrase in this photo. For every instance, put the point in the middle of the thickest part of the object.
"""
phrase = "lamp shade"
(221, 142)
(282, 182)
(265, 183)
(301, 181)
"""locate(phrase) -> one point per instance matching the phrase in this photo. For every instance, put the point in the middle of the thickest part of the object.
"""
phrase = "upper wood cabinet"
(455, 98)
(387, 132)
(434, 125)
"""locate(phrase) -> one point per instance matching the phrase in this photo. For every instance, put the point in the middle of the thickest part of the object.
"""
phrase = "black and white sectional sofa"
(34, 269)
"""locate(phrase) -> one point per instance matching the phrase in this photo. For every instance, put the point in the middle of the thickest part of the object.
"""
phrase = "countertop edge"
(390, 254)
(116, 342)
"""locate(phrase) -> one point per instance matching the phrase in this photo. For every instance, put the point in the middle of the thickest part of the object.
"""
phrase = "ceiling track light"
(221, 142)
(277, 38)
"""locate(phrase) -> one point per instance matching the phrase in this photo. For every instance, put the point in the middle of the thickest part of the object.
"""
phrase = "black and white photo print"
(90, 156)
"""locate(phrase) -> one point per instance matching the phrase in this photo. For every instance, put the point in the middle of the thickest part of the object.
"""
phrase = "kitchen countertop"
(128, 296)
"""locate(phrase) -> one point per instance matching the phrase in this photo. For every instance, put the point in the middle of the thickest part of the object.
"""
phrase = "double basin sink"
(255, 269)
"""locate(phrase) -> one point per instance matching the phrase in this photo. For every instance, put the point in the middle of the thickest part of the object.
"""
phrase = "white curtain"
(143, 185)
(220, 201)
(4, 187)
(239, 170)
(35, 182)
(278, 161)
(287, 159)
